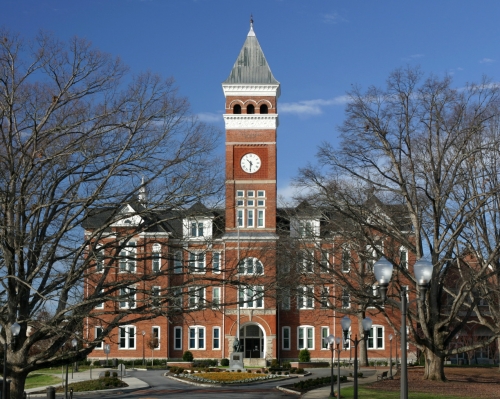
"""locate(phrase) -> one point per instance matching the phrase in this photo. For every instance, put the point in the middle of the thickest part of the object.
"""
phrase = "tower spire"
(251, 32)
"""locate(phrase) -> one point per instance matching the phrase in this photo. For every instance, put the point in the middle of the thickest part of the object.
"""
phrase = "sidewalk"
(324, 393)
(133, 383)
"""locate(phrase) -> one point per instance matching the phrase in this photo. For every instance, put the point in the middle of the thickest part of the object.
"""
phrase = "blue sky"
(317, 49)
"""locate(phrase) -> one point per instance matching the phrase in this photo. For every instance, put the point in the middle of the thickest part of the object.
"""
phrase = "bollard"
(51, 393)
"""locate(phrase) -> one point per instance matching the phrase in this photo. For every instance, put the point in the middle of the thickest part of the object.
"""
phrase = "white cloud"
(486, 61)
(333, 18)
(311, 107)
(210, 117)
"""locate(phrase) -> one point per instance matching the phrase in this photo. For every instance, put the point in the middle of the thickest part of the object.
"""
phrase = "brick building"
(197, 278)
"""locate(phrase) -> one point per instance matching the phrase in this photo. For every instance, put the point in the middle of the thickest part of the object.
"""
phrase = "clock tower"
(251, 122)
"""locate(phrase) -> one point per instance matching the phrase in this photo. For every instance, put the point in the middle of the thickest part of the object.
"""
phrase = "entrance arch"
(253, 339)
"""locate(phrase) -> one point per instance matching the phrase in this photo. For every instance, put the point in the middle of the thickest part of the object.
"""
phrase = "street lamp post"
(423, 274)
(74, 343)
(143, 348)
(15, 329)
(367, 325)
(107, 349)
(331, 340)
(390, 356)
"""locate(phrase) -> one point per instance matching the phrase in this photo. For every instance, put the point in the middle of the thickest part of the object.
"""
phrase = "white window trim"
(197, 337)
(99, 346)
(177, 339)
(128, 254)
(128, 290)
(303, 299)
(216, 301)
(155, 289)
(219, 339)
(405, 250)
(127, 337)
(348, 295)
(325, 258)
(219, 269)
(283, 338)
(99, 260)
(178, 262)
(305, 338)
(159, 336)
(197, 269)
(250, 301)
(348, 251)
(324, 344)
(100, 305)
(199, 297)
(374, 338)
(324, 294)
(243, 267)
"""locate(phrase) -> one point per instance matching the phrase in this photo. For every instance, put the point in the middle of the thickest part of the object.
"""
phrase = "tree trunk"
(434, 366)
(17, 384)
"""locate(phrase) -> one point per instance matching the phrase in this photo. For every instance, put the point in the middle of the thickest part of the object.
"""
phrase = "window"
(98, 336)
(155, 296)
(251, 297)
(286, 338)
(346, 260)
(127, 337)
(346, 298)
(100, 305)
(305, 337)
(196, 337)
(156, 257)
(127, 298)
(250, 213)
(372, 256)
(216, 338)
(215, 297)
(324, 261)
(155, 336)
(178, 262)
(237, 109)
(285, 299)
(196, 297)
(99, 261)
(376, 338)
(178, 338)
(305, 297)
(346, 342)
(216, 262)
(403, 258)
(306, 262)
(250, 109)
(325, 332)
(306, 228)
(250, 266)
(196, 229)
(325, 294)
(197, 262)
(263, 109)
(127, 258)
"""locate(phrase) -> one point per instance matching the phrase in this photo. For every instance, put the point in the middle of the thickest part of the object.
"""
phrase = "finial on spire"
(251, 20)
(251, 32)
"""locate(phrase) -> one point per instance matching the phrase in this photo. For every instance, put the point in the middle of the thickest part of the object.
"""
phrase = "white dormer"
(301, 227)
(127, 218)
(197, 228)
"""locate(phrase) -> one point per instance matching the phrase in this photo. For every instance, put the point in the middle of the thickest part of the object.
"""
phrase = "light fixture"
(383, 274)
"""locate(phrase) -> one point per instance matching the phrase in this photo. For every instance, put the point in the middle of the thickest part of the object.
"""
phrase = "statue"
(236, 345)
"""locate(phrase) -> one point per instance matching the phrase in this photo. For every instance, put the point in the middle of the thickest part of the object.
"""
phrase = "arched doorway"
(253, 339)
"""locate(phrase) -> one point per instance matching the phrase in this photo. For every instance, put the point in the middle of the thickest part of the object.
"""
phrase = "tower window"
(237, 109)
(250, 109)
(263, 109)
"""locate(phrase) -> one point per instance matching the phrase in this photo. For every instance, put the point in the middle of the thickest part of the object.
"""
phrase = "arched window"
(263, 109)
(250, 109)
(237, 109)
(250, 266)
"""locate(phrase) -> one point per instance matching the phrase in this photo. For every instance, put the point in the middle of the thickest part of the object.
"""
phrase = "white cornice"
(251, 90)
(254, 121)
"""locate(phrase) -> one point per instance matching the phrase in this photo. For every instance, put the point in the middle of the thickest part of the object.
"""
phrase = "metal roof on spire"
(251, 65)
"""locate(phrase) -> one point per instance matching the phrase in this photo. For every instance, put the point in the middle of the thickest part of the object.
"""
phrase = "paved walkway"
(324, 393)
(133, 383)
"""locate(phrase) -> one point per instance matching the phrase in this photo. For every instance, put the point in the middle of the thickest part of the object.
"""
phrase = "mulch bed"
(470, 382)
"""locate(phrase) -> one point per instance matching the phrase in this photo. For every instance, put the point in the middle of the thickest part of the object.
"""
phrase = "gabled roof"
(251, 65)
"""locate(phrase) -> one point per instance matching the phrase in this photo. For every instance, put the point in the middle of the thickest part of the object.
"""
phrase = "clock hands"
(250, 162)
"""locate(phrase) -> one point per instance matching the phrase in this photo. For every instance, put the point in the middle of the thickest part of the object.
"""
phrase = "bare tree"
(429, 151)
(78, 132)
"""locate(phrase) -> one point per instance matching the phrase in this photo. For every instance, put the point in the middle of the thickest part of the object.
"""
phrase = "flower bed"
(228, 378)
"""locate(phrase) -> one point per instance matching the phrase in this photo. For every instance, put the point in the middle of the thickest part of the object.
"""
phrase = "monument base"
(236, 361)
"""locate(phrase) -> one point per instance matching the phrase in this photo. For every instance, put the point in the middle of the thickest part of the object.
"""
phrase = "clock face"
(250, 163)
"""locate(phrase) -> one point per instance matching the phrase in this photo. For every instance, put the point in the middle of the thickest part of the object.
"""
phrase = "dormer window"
(196, 229)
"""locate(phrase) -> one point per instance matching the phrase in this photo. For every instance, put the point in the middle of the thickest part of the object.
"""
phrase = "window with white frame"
(178, 262)
(306, 262)
(250, 208)
(251, 297)
(215, 297)
(100, 305)
(178, 338)
(155, 296)
(155, 336)
(176, 297)
(285, 298)
(325, 297)
(305, 297)
(346, 298)
(403, 258)
(197, 337)
(216, 338)
(376, 338)
(127, 298)
(127, 258)
(196, 228)
(156, 258)
(325, 332)
(98, 337)
(197, 262)
(346, 343)
(99, 261)
(286, 338)
(324, 261)
(305, 337)
(196, 297)
(127, 337)
(250, 266)
(346, 260)
(216, 262)
(306, 228)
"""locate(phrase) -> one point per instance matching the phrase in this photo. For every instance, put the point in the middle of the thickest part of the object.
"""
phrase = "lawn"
(373, 393)
(39, 380)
